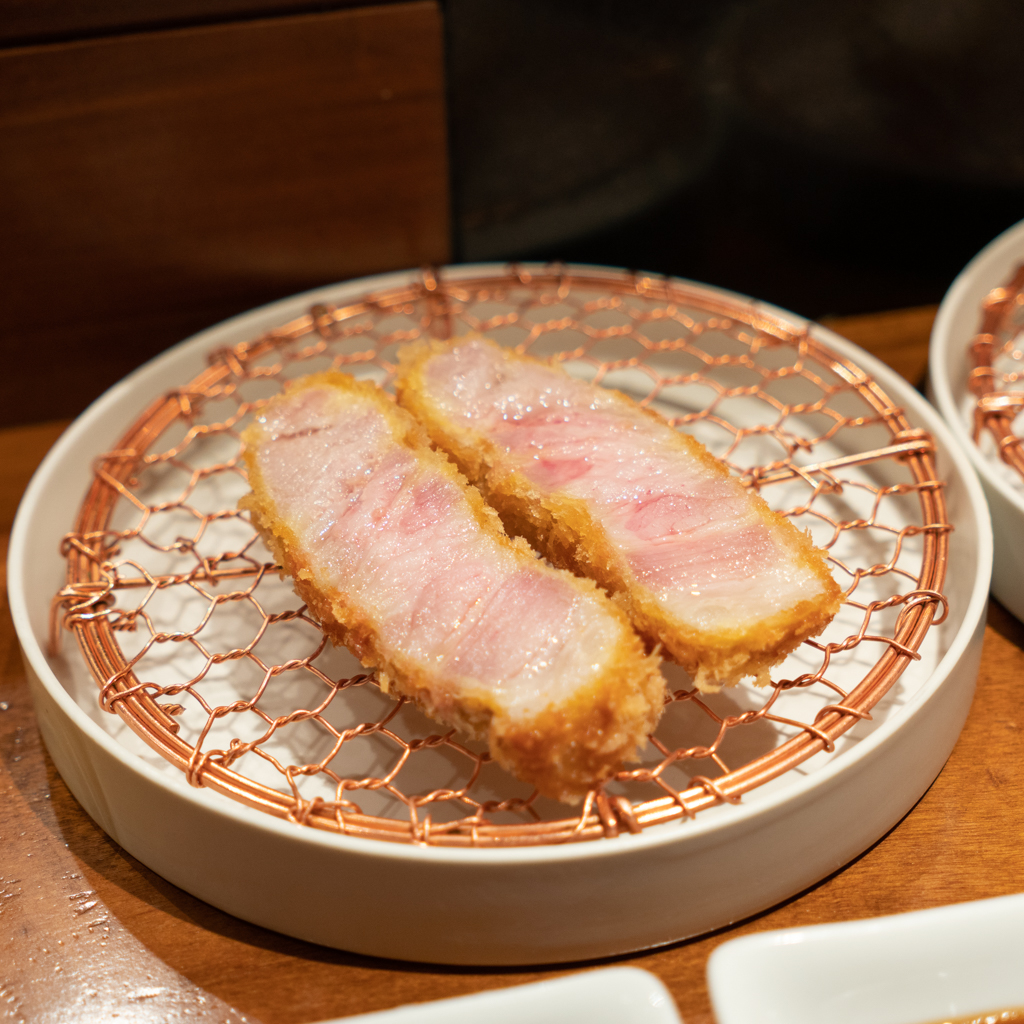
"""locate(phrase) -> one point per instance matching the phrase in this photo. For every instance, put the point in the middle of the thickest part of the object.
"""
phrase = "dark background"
(832, 157)
(167, 163)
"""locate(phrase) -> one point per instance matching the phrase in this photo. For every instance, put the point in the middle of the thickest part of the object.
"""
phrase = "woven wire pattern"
(199, 646)
(997, 376)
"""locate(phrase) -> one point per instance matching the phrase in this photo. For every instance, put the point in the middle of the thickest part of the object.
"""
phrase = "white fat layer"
(399, 539)
(688, 531)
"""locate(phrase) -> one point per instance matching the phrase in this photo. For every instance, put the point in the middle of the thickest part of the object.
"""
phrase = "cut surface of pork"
(405, 564)
(610, 490)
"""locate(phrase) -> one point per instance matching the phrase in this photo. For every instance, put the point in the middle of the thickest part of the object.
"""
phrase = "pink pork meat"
(403, 562)
(610, 490)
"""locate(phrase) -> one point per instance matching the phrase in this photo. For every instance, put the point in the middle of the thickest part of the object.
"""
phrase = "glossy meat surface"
(405, 564)
(612, 491)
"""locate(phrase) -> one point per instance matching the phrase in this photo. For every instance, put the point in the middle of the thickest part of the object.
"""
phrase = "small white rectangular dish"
(615, 995)
(916, 968)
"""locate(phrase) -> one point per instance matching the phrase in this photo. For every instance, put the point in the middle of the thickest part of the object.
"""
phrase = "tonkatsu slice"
(405, 564)
(610, 490)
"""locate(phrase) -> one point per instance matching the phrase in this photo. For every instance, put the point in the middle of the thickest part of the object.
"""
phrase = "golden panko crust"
(566, 749)
(562, 528)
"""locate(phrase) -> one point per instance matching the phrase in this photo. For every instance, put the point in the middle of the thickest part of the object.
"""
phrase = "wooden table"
(87, 932)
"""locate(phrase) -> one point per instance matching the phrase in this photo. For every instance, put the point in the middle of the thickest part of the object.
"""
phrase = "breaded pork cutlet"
(404, 563)
(610, 490)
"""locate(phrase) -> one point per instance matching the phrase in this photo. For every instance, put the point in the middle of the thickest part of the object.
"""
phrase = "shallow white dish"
(491, 906)
(949, 364)
(615, 995)
(914, 968)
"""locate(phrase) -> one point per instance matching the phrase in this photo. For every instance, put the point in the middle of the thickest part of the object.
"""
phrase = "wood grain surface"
(24, 22)
(154, 183)
(87, 932)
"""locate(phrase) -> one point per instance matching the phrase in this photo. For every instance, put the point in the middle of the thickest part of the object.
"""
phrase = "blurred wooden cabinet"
(155, 180)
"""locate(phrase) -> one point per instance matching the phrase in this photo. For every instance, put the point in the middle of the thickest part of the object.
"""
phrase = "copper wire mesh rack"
(204, 652)
(997, 377)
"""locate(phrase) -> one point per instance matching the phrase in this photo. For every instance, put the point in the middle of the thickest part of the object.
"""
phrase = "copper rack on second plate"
(997, 377)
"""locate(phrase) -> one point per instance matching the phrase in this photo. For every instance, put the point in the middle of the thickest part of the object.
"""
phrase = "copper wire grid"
(997, 376)
(760, 391)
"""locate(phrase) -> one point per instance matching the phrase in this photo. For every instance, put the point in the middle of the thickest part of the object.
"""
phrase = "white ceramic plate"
(616, 995)
(957, 322)
(915, 968)
(490, 906)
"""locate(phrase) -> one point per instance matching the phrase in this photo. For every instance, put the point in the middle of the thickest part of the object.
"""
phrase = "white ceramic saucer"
(522, 905)
(930, 965)
(616, 995)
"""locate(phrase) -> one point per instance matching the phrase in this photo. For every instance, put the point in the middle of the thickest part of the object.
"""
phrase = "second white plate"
(958, 320)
